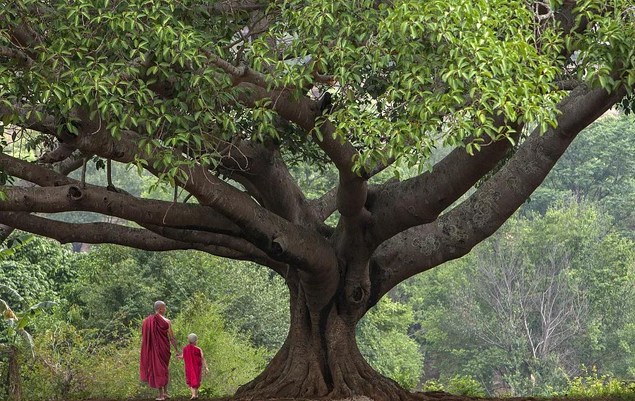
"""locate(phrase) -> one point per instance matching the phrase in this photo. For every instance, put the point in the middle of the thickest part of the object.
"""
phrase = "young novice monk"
(194, 363)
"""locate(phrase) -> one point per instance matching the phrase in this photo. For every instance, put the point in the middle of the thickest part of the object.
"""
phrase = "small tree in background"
(15, 338)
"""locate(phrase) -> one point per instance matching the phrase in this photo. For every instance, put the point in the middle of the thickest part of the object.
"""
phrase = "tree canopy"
(221, 99)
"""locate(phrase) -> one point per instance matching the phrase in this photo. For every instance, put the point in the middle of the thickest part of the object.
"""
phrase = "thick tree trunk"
(320, 359)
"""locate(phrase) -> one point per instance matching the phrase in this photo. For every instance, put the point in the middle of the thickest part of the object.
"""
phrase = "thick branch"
(262, 169)
(32, 173)
(45, 177)
(250, 252)
(234, 6)
(455, 233)
(99, 233)
(70, 164)
(325, 205)
(303, 111)
(62, 152)
(20, 57)
(5, 231)
(94, 199)
(281, 240)
(71, 197)
(398, 206)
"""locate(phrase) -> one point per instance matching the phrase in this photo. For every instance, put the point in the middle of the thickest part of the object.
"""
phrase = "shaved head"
(158, 305)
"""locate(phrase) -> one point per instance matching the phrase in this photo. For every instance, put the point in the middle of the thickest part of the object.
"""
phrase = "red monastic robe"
(193, 358)
(155, 351)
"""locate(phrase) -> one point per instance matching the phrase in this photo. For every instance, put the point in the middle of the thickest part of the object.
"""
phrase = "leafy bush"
(72, 364)
(432, 385)
(594, 385)
(383, 340)
(465, 385)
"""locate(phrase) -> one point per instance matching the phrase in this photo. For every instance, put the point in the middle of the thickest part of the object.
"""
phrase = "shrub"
(432, 385)
(465, 385)
(594, 385)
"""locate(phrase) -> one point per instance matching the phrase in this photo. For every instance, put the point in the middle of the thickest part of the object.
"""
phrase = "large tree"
(220, 98)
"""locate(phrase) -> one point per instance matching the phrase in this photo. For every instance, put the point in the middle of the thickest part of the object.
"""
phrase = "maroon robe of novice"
(155, 351)
(193, 359)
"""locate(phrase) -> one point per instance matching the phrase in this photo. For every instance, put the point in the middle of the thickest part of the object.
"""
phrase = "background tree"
(529, 308)
(14, 333)
(219, 99)
(596, 168)
(384, 341)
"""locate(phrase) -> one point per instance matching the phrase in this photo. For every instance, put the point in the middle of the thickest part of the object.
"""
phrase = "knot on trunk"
(278, 246)
(356, 294)
(75, 193)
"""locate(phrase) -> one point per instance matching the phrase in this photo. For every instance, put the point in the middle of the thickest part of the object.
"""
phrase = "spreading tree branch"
(400, 205)
(100, 233)
(455, 233)
(99, 200)
(277, 237)
(265, 175)
(96, 233)
(304, 112)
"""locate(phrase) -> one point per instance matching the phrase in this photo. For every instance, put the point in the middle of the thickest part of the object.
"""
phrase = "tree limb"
(99, 200)
(398, 206)
(277, 237)
(99, 233)
(262, 169)
(33, 173)
(454, 234)
(62, 152)
(234, 6)
(20, 57)
(5, 231)
(251, 253)
(304, 112)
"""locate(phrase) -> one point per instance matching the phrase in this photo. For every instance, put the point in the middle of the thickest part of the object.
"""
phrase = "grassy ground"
(429, 396)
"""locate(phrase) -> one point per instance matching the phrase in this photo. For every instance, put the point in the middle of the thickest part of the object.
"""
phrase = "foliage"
(14, 337)
(465, 385)
(13, 243)
(37, 270)
(74, 364)
(255, 304)
(383, 340)
(116, 286)
(597, 167)
(459, 385)
(484, 315)
(111, 290)
(591, 384)
(400, 68)
(432, 385)
(231, 358)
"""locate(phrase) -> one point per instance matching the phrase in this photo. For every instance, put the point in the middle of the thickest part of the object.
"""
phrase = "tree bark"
(320, 357)
(14, 383)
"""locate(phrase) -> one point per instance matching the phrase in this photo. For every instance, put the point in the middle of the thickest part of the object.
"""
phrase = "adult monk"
(156, 337)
